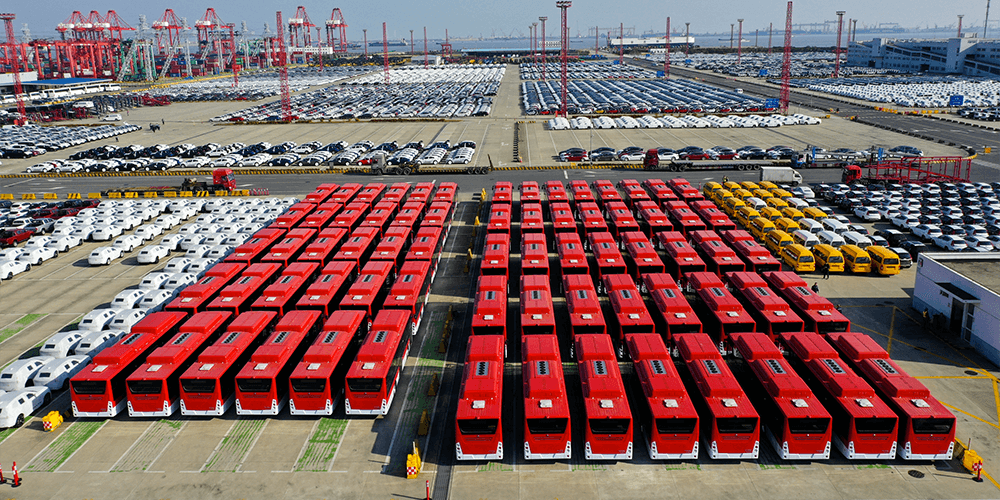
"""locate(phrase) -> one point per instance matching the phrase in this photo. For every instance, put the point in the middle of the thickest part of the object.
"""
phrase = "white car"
(172, 242)
(97, 320)
(803, 192)
(177, 265)
(102, 256)
(18, 405)
(148, 231)
(17, 374)
(154, 281)
(197, 252)
(11, 268)
(979, 241)
(106, 232)
(83, 231)
(152, 254)
(37, 241)
(199, 266)
(56, 373)
(35, 256)
(60, 344)
(126, 319)
(64, 242)
(127, 299)
(128, 242)
(154, 299)
(167, 221)
(95, 342)
(11, 253)
(906, 222)
(927, 231)
(950, 242)
(192, 240)
(867, 213)
(113, 117)
(179, 281)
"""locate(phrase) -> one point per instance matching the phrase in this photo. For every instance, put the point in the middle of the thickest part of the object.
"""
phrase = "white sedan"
(149, 231)
(17, 405)
(167, 221)
(37, 241)
(152, 254)
(56, 373)
(35, 256)
(11, 253)
(128, 242)
(107, 232)
(950, 242)
(102, 256)
(867, 213)
(65, 242)
(172, 242)
(11, 268)
(177, 265)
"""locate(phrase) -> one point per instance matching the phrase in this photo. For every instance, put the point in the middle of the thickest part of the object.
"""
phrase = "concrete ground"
(340, 457)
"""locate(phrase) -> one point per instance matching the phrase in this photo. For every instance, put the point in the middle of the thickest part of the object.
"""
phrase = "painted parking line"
(235, 445)
(320, 450)
(18, 325)
(149, 446)
(64, 447)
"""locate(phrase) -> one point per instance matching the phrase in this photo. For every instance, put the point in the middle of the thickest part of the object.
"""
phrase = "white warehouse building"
(967, 55)
(965, 289)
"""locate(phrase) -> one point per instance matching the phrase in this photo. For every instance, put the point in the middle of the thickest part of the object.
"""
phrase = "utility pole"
(687, 39)
(544, 60)
(732, 27)
(411, 43)
(739, 49)
(986, 23)
(621, 43)
(564, 6)
(366, 42)
(770, 31)
(425, 47)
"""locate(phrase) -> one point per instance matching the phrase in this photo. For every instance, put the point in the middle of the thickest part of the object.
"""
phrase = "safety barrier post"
(27, 196)
(185, 194)
(93, 196)
(114, 195)
(74, 196)
(413, 463)
(435, 384)
(425, 424)
(222, 193)
(6, 196)
(150, 194)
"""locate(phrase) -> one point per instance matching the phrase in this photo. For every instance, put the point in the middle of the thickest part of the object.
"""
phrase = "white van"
(97, 319)
(754, 203)
(805, 238)
(831, 238)
(810, 225)
(856, 238)
(18, 373)
(834, 225)
(95, 342)
(60, 344)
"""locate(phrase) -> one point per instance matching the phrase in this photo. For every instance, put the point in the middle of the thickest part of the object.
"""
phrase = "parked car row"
(681, 121)
(257, 86)
(911, 91)
(636, 97)
(31, 140)
(591, 70)
(635, 153)
(764, 65)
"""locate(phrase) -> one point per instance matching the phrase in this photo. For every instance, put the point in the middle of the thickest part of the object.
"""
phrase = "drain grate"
(971, 372)
(915, 473)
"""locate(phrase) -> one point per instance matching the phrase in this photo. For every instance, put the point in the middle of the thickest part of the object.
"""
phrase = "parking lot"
(339, 457)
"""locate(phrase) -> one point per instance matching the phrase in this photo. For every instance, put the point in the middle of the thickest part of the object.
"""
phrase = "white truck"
(781, 175)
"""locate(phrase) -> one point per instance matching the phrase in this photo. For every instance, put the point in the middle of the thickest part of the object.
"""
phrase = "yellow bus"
(745, 215)
(828, 255)
(785, 224)
(856, 260)
(759, 227)
(775, 240)
(799, 258)
(884, 261)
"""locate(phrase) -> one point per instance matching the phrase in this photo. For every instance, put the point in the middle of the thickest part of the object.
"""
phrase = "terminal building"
(964, 288)
(964, 56)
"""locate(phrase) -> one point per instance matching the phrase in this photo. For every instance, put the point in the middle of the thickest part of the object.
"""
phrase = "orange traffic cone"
(2, 479)
(17, 480)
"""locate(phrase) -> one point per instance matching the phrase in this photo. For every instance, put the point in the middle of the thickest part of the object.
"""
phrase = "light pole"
(366, 41)
(960, 16)
(411, 42)
(687, 39)
(544, 60)
(731, 27)
(739, 49)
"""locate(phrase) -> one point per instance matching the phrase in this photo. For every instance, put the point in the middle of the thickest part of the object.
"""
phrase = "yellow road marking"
(969, 414)
(996, 397)
(955, 377)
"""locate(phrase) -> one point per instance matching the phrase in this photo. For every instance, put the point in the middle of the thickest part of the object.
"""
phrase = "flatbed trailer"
(408, 168)
(910, 170)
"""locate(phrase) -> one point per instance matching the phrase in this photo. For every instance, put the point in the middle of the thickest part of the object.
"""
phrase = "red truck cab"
(223, 177)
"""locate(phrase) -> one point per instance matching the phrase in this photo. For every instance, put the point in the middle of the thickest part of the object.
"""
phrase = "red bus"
(439, 214)
(282, 295)
(532, 220)
(771, 312)
(698, 237)
(252, 249)
(319, 218)
(411, 291)
(193, 298)
(641, 256)
(393, 247)
(537, 316)
(926, 427)
(653, 220)
(422, 193)
(667, 418)
(380, 217)
(262, 384)
(208, 386)
(730, 426)
(731, 236)
(793, 419)
(99, 389)
(446, 192)
(756, 258)
(607, 258)
(369, 291)
(629, 312)
(669, 206)
(606, 192)
(324, 246)
(816, 311)
(288, 249)
(397, 192)
(330, 287)
(409, 216)
(685, 190)
(154, 389)
(681, 260)
(864, 427)
(240, 294)
(562, 217)
(662, 239)
(478, 421)
(556, 192)
(496, 255)
(585, 315)
(490, 315)
(620, 218)
(291, 218)
(317, 382)
(720, 259)
(581, 192)
(634, 192)
(715, 219)
(321, 193)
(608, 434)
(659, 191)
(352, 215)
(373, 376)
(591, 217)
(359, 246)
(530, 193)
(670, 311)
(371, 193)
(572, 258)
(534, 254)
(503, 193)
(427, 245)
(547, 429)
(686, 221)
(499, 221)
(346, 193)
(723, 314)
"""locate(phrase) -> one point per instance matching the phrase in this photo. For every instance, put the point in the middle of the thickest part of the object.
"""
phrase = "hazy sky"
(503, 17)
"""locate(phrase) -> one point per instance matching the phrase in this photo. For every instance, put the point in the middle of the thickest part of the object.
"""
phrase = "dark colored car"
(893, 236)
(914, 247)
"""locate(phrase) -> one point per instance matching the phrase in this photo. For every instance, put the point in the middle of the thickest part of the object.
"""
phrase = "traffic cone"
(3, 480)
(17, 480)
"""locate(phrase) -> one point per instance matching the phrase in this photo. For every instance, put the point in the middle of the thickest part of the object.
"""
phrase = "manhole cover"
(915, 473)
(971, 372)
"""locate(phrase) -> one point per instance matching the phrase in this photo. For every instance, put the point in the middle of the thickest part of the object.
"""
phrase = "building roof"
(981, 269)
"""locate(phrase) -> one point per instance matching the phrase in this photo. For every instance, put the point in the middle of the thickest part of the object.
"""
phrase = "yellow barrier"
(50, 196)
(425, 424)
(987, 150)
(413, 463)
(94, 196)
(185, 194)
(73, 196)
(6, 196)
(131, 194)
(222, 193)
(27, 196)
(114, 195)
(150, 194)
(52, 421)
(170, 194)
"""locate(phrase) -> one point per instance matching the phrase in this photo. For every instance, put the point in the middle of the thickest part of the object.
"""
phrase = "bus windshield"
(808, 425)
(478, 426)
(609, 425)
(145, 386)
(308, 384)
(874, 425)
(547, 425)
(736, 425)
(364, 384)
(676, 425)
(198, 385)
(89, 386)
(254, 384)
(932, 425)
